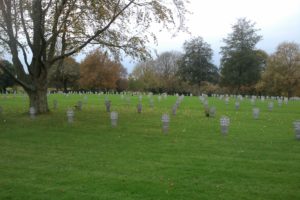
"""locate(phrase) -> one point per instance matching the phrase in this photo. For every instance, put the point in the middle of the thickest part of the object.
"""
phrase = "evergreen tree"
(196, 64)
(241, 62)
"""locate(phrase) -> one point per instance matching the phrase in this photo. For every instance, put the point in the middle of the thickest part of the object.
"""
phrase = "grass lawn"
(47, 158)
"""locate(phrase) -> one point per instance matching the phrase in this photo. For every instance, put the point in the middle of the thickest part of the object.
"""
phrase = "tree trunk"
(289, 94)
(65, 86)
(38, 99)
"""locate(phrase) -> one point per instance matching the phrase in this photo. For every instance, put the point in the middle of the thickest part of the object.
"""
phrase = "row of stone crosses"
(209, 111)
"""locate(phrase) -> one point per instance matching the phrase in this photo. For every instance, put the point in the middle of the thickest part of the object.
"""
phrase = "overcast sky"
(278, 21)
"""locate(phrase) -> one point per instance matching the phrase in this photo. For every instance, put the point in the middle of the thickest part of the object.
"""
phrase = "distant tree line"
(97, 72)
(244, 69)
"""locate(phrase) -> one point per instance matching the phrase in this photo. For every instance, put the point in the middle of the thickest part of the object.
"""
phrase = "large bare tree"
(38, 33)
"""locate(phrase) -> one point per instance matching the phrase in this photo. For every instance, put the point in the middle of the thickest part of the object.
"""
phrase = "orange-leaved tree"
(98, 71)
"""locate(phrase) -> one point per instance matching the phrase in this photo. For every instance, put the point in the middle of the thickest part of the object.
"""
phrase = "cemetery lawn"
(47, 158)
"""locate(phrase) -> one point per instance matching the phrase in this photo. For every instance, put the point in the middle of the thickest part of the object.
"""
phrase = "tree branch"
(25, 85)
(24, 25)
(6, 14)
(24, 54)
(6, 41)
(116, 15)
(52, 40)
(47, 7)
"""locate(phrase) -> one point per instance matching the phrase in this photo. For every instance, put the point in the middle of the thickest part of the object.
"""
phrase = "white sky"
(278, 21)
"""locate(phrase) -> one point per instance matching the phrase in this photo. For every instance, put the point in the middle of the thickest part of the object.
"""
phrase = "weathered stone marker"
(139, 108)
(165, 123)
(212, 111)
(114, 118)
(78, 106)
(270, 106)
(255, 112)
(174, 109)
(107, 105)
(224, 123)
(237, 105)
(32, 112)
(297, 129)
(55, 104)
(70, 115)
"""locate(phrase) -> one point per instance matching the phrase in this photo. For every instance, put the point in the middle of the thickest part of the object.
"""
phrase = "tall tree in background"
(196, 64)
(97, 71)
(144, 77)
(5, 79)
(158, 75)
(35, 28)
(64, 74)
(122, 82)
(167, 66)
(282, 74)
(241, 63)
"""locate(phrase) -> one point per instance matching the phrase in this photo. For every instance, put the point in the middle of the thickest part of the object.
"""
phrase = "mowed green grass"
(47, 158)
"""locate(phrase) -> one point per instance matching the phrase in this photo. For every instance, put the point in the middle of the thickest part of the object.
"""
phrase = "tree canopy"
(196, 63)
(241, 62)
(99, 72)
(157, 75)
(282, 74)
(64, 74)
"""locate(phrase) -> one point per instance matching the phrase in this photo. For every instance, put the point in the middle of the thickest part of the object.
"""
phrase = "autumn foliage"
(98, 71)
(282, 74)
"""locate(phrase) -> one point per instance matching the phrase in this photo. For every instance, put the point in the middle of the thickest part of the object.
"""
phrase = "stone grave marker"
(224, 123)
(286, 100)
(70, 115)
(32, 112)
(174, 109)
(107, 105)
(227, 100)
(85, 98)
(165, 96)
(128, 100)
(252, 102)
(255, 112)
(151, 103)
(206, 110)
(212, 111)
(279, 102)
(270, 106)
(78, 106)
(241, 98)
(205, 103)
(139, 108)
(297, 129)
(159, 98)
(55, 104)
(237, 105)
(114, 118)
(165, 123)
